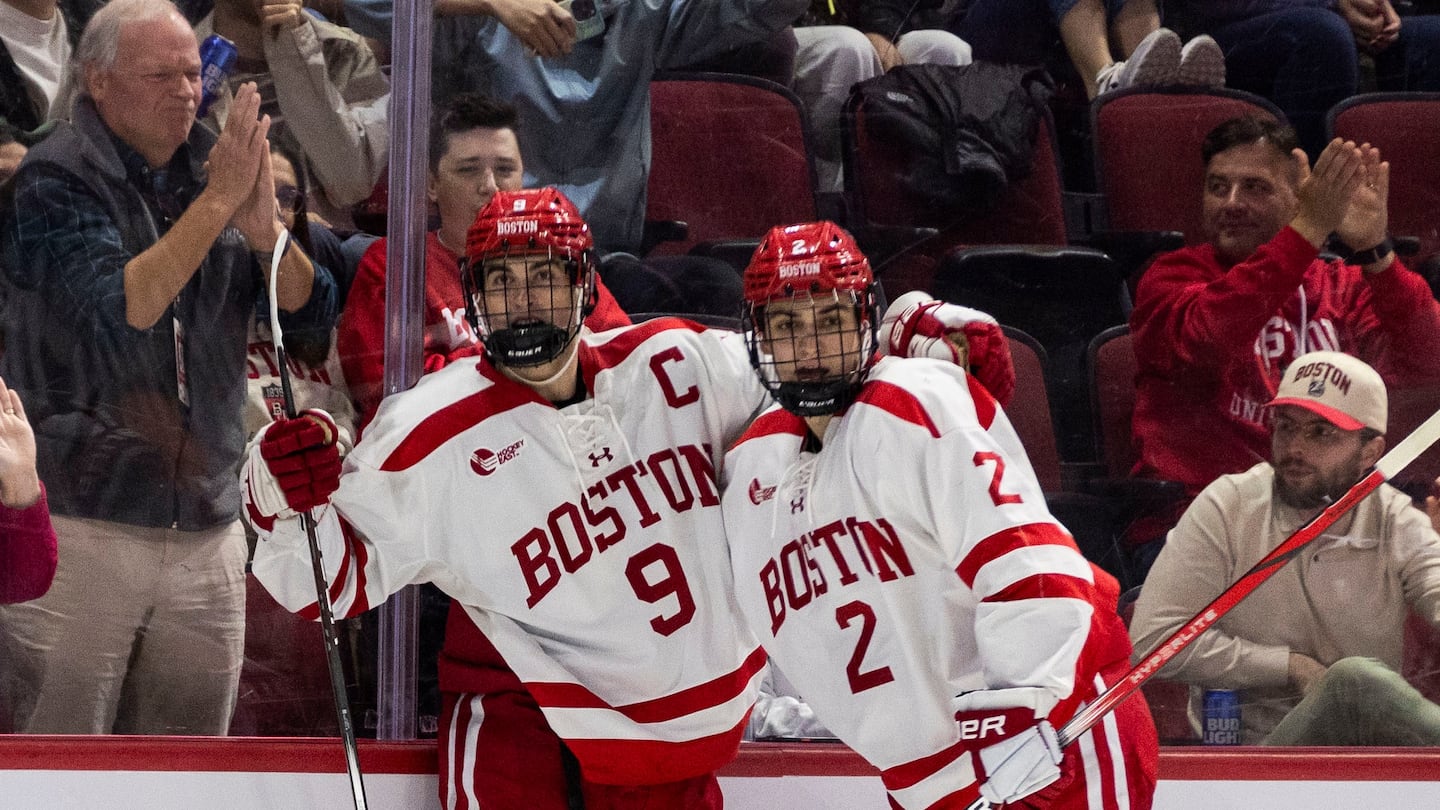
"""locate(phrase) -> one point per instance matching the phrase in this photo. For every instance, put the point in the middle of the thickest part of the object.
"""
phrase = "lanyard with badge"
(166, 204)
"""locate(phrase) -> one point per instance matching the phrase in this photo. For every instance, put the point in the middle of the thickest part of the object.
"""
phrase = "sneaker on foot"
(1108, 78)
(1202, 63)
(1156, 61)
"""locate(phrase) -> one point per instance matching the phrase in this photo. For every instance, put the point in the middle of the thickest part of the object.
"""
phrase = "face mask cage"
(814, 354)
(527, 307)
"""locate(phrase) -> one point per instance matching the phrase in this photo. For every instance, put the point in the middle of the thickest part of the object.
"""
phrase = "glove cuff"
(1038, 701)
(326, 422)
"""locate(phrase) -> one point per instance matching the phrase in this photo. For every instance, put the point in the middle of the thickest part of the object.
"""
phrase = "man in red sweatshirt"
(473, 154)
(1216, 324)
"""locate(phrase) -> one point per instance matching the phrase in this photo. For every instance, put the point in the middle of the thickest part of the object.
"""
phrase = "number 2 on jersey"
(1000, 498)
(671, 584)
(868, 679)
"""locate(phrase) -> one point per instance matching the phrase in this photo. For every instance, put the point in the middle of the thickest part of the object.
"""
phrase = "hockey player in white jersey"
(563, 489)
(893, 552)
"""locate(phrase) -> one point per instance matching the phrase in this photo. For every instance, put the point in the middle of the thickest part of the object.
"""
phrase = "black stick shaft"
(327, 619)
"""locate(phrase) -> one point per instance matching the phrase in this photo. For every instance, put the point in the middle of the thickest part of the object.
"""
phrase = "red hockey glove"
(298, 464)
(917, 325)
(1016, 753)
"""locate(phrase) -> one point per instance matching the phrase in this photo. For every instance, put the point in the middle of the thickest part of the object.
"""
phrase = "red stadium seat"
(1062, 296)
(1406, 128)
(1140, 508)
(1147, 152)
(1029, 409)
(1112, 396)
(730, 157)
(1085, 515)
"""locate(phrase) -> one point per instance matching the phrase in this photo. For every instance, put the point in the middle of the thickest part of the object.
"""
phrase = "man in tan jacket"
(1315, 650)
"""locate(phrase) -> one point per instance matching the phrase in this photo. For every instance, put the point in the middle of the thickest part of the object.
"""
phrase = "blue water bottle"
(1222, 717)
(217, 58)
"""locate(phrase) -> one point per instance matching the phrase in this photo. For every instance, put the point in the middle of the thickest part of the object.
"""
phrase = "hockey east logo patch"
(759, 494)
(485, 461)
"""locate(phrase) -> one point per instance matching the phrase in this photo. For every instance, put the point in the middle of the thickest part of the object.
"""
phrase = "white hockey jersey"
(585, 542)
(910, 560)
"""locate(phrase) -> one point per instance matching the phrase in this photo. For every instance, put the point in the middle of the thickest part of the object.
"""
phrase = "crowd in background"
(140, 394)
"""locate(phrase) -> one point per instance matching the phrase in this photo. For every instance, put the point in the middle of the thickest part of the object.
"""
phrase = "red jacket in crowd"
(27, 552)
(1211, 345)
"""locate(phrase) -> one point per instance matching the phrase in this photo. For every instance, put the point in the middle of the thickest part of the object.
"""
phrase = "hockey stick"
(1389, 465)
(322, 594)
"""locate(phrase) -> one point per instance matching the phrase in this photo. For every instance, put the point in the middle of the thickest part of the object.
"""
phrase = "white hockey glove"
(291, 466)
(917, 325)
(1015, 749)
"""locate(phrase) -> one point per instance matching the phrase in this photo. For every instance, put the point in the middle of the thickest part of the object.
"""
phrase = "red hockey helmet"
(528, 222)
(812, 257)
(531, 224)
(819, 285)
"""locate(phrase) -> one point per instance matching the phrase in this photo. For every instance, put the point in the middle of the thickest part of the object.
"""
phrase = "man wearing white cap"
(1314, 652)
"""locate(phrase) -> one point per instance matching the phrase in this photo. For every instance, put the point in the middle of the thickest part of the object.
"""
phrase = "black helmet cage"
(824, 396)
(538, 342)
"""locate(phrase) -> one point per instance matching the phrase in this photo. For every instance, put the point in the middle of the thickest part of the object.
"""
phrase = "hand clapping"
(1366, 221)
(239, 169)
(1345, 193)
(19, 484)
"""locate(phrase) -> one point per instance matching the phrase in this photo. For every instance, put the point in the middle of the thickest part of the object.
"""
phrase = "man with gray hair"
(133, 261)
(1315, 651)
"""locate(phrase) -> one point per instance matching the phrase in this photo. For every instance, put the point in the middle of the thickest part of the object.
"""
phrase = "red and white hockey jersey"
(912, 559)
(586, 542)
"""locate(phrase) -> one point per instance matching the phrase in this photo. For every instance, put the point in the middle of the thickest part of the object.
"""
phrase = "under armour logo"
(797, 504)
(604, 455)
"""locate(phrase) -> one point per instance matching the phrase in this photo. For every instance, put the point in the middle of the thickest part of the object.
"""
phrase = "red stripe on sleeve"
(772, 423)
(1045, 586)
(985, 404)
(679, 704)
(650, 762)
(909, 774)
(899, 403)
(565, 696)
(456, 418)
(614, 351)
(342, 574)
(1008, 540)
(361, 602)
(262, 523)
